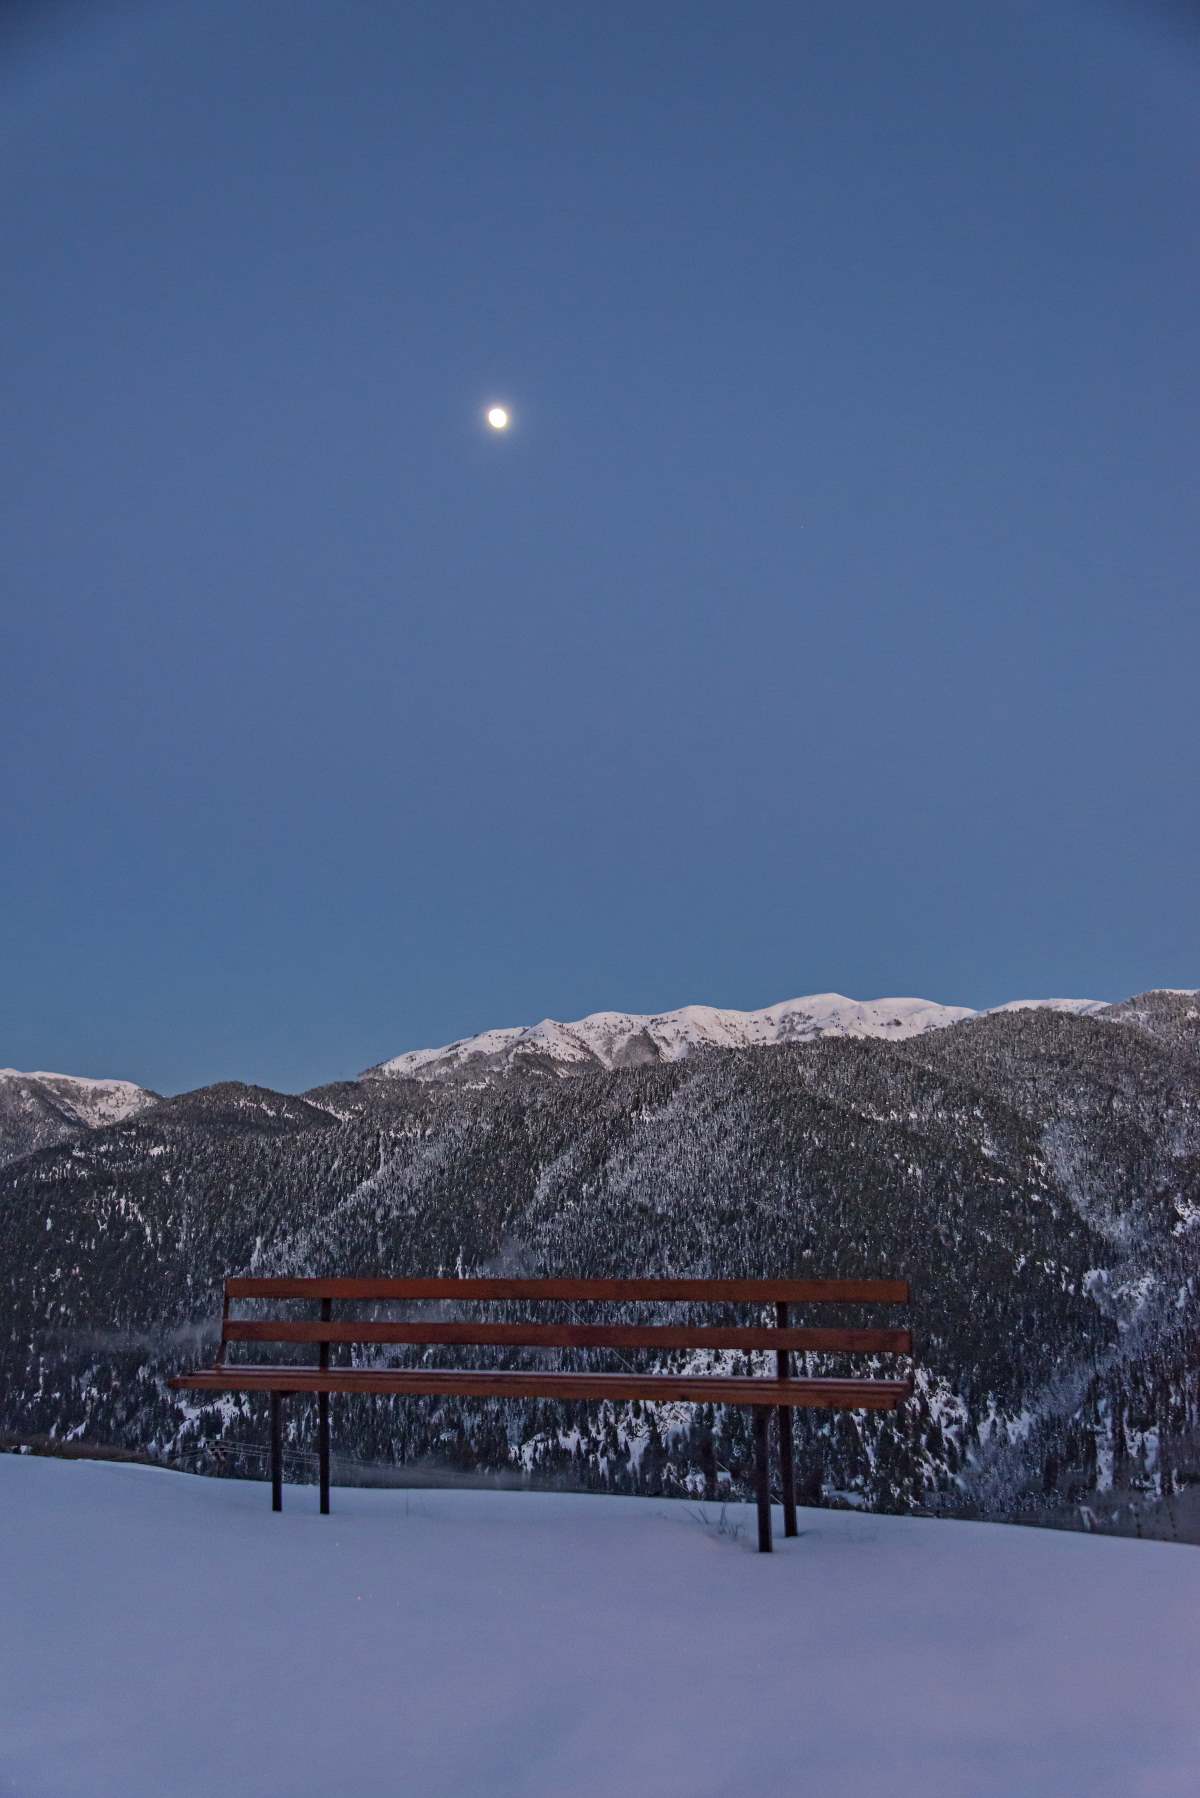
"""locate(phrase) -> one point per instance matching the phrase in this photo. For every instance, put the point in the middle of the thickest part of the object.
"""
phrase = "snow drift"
(163, 1634)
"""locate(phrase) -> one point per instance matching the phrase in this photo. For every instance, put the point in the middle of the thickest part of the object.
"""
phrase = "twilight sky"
(827, 620)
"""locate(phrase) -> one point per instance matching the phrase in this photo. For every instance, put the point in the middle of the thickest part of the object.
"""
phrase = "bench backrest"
(780, 1336)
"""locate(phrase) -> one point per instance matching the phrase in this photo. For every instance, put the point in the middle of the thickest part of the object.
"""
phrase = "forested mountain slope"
(1035, 1173)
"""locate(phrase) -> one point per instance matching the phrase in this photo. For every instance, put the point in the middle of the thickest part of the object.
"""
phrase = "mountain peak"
(38, 1110)
(613, 1039)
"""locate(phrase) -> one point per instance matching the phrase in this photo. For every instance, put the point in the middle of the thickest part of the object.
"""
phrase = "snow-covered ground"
(163, 1636)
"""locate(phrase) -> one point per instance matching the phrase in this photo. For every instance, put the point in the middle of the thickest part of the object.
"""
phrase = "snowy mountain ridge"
(92, 1102)
(613, 1039)
(39, 1110)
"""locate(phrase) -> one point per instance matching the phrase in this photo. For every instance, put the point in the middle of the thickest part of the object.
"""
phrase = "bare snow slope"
(163, 1634)
(1079, 1008)
(612, 1039)
(92, 1103)
(39, 1110)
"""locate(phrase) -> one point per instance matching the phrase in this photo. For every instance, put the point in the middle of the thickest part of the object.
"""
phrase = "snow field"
(163, 1636)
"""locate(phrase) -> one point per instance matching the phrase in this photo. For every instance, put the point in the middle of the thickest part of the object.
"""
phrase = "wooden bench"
(762, 1393)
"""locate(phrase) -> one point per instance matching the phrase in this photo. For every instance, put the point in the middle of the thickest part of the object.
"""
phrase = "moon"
(498, 418)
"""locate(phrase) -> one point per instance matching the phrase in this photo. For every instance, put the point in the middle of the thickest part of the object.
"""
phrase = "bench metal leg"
(787, 1460)
(323, 1448)
(277, 1451)
(323, 1415)
(762, 1472)
(787, 1471)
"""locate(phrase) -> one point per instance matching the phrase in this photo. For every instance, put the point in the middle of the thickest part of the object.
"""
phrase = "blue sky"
(826, 621)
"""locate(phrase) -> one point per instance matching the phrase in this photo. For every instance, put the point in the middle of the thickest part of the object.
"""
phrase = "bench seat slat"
(797, 1292)
(700, 1389)
(661, 1336)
